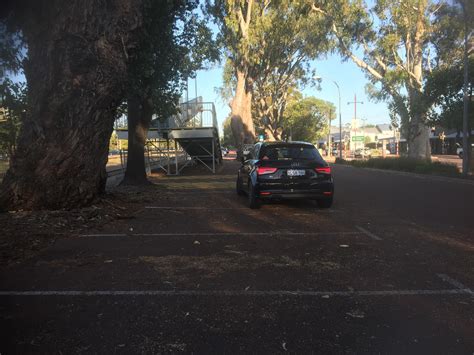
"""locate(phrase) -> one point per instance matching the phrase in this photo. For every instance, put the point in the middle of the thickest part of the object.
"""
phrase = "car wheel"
(325, 202)
(238, 187)
(253, 200)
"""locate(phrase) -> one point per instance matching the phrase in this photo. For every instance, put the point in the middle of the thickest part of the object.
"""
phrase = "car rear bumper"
(285, 195)
(324, 191)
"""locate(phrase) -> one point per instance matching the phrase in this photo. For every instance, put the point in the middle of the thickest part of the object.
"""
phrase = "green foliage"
(405, 164)
(11, 50)
(400, 42)
(306, 119)
(228, 139)
(13, 108)
(174, 44)
(445, 87)
(273, 49)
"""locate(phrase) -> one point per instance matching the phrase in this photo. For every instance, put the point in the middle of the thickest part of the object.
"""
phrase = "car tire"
(252, 198)
(238, 187)
(325, 202)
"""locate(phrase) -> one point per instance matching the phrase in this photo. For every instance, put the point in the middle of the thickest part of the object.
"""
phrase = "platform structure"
(198, 135)
(187, 138)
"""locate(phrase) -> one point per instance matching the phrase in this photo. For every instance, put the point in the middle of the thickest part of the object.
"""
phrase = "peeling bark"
(76, 70)
(241, 114)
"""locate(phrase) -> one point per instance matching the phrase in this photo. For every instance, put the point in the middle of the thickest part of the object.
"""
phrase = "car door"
(247, 167)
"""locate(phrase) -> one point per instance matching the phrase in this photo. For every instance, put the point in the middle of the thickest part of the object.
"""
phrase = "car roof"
(286, 143)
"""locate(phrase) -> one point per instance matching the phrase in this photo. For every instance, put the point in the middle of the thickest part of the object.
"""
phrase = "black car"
(285, 170)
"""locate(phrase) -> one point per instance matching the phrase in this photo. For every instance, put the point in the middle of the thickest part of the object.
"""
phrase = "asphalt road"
(389, 269)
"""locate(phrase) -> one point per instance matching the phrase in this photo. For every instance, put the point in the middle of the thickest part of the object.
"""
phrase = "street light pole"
(355, 102)
(340, 120)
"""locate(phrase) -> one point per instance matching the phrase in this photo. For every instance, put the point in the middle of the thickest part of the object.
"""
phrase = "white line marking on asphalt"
(103, 235)
(367, 233)
(269, 208)
(223, 234)
(237, 293)
(194, 208)
(454, 283)
(181, 192)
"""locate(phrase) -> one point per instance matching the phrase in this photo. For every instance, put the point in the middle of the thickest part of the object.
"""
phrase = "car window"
(289, 152)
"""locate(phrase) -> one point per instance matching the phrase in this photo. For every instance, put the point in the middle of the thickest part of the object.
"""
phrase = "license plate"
(295, 172)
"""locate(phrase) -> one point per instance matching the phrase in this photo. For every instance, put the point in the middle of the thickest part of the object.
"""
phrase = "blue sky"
(350, 78)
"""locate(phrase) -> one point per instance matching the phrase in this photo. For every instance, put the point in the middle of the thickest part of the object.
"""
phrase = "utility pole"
(355, 102)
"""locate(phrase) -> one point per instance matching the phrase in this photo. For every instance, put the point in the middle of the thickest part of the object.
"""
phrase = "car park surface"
(193, 269)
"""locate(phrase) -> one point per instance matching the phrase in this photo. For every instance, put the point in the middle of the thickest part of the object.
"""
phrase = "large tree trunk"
(419, 141)
(76, 70)
(241, 113)
(140, 112)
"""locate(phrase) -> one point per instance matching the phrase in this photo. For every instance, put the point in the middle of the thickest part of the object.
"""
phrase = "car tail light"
(265, 170)
(324, 170)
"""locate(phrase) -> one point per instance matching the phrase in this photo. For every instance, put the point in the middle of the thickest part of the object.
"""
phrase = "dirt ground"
(184, 265)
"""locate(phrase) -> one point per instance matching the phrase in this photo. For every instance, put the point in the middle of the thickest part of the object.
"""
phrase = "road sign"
(358, 138)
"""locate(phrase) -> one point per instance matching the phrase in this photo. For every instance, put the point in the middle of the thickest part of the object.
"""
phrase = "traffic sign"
(358, 138)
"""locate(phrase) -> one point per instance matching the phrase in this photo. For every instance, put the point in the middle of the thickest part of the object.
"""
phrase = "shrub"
(405, 164)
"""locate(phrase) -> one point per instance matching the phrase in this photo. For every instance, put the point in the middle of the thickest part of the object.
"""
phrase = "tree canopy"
(307, 119)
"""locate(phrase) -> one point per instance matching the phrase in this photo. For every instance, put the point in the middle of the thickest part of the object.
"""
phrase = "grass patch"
(405, 164)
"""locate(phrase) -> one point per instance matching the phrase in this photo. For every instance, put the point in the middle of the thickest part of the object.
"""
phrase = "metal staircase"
(189, 137)
(196, 131)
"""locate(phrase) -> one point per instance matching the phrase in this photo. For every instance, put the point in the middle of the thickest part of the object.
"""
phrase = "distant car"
(362, 153)
(114, 152)
(279, 170)
(459, 150)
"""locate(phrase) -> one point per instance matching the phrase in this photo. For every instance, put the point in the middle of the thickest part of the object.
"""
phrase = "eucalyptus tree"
(292, 36)
(390, 41)
(268, 45)
(307, 118)
(173, 44)
(238, 22)
(76, 70)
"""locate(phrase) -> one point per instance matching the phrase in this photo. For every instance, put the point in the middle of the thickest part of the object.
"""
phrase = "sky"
(350, 78)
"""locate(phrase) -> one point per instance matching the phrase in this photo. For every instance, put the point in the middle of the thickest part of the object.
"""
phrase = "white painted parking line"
(454, 283)
(266, 208)
(102, 235)
(368, 233)
(183, 192)
(223, 234)
(195, 208)
(237, 293)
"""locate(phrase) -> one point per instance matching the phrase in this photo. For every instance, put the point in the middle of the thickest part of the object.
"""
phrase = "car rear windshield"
(289, 152)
